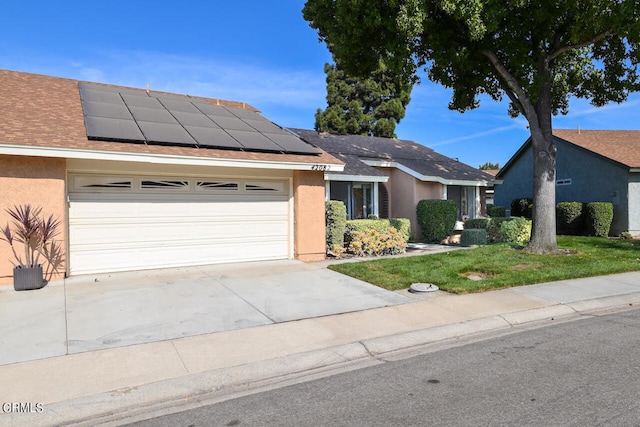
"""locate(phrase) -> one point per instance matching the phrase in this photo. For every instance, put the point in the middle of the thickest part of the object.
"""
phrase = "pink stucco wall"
(309, 222)
(38, 181)
(405, 192)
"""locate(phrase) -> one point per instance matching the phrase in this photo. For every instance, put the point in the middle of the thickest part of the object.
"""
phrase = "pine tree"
(371, 105)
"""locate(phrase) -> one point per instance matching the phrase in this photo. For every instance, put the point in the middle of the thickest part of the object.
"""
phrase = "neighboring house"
(388, 177)
(490, 191)
(144, 179)
(591, 166)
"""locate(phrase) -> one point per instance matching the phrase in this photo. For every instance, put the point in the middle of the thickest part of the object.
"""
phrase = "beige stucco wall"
(405, 192)
(37, 181)
(309, 222)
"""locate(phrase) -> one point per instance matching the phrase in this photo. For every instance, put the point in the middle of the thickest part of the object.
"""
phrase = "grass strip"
(499, 266)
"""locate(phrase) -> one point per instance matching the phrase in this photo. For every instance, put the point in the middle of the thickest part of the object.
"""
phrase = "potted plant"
(36, 235)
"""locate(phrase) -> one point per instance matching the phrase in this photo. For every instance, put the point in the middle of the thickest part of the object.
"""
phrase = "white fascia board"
(426, 178)
(634, 170)
(355, 178)
(72, 153)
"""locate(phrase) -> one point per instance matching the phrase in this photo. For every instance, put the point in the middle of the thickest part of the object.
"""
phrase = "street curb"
(135, 403)
(139, 402)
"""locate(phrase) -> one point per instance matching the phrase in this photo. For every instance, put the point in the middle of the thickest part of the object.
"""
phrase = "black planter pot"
(27, 278)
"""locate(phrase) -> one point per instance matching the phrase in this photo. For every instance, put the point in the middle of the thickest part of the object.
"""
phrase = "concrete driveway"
(96, 312)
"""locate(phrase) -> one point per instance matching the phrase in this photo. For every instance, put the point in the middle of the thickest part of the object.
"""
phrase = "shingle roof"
(622, 146)
(44, 111)
(420, 159)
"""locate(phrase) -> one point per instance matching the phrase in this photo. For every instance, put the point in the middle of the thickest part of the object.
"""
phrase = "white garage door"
(120, 223)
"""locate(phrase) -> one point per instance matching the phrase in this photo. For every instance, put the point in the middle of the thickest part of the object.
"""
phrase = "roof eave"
(355, 178)
(72, 153)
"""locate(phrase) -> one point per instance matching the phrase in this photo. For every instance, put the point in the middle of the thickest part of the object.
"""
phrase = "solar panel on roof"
(254, 141)
(264, 126)
(128, 115)
(164, 133)
(141, 101)
(112, 129)
(104, 109)
(291, 144)
(212, 137)
(101, 96)
(213, 110)
(232, 123)
(174, 105)
(245, 114)
(152, 115)
(189, 119)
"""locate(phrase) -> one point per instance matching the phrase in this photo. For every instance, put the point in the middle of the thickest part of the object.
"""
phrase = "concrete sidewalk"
(113, 385)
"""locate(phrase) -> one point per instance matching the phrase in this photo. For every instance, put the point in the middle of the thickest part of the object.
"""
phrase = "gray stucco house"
(388, 177)
(592, 166)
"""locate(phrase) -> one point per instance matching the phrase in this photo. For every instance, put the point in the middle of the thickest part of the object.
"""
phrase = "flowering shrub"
(372, 242)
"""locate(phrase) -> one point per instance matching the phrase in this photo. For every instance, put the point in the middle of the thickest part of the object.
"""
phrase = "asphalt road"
(580, 373)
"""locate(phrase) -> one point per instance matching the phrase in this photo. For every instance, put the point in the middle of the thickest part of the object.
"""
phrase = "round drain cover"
(423, 287)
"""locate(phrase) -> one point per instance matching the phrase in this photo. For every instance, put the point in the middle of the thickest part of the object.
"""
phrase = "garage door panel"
(127, 233)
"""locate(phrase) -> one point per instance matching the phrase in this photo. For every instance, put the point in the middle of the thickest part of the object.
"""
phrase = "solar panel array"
(117, 114)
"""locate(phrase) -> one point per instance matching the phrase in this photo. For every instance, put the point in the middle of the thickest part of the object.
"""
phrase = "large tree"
(539, 53)
(372, 105)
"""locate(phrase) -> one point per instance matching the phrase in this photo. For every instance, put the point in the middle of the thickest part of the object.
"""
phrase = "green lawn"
(499, 266)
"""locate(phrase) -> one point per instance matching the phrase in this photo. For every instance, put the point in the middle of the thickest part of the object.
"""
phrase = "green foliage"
(522, 207)
(497, 211)
(403, 225)
(503, 265)
(488, 166)
(371, 105)
(517, 230)
(370, 242)
(538, 54)
(598, 218)
(477, 223)
(494, 233)
(570, 218)
(473, 236)
(335, 214)
(436, 218)
(380, 225)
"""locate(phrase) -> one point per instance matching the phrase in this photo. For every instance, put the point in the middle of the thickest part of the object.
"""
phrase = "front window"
(356, 196)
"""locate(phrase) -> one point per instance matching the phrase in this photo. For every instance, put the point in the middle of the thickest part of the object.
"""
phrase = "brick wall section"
(309, 225)
(37, 181)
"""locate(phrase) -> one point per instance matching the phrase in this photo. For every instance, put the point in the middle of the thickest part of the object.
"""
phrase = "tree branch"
(567, 48)
(522, 100)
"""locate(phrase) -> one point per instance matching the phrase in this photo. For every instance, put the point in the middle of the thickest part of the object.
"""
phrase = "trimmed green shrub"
(372, 242)
(598, 218)
(522, 207)
(436, 218)
(570, 218)
(493, 229)
(497, 211)
(335, 214)
(477, 223)
(517, 230)
(403, 225)
(473, 236)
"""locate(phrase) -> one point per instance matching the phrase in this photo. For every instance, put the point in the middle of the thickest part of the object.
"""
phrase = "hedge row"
(591, 219)
(572, 218)
(501, 229)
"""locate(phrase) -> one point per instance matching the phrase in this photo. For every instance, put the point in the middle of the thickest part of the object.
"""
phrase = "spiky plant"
(36, 234)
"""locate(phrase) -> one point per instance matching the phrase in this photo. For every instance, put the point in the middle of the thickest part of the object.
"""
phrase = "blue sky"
(256, 51)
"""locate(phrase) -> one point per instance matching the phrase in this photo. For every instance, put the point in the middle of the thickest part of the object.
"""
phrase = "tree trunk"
(543, 232)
